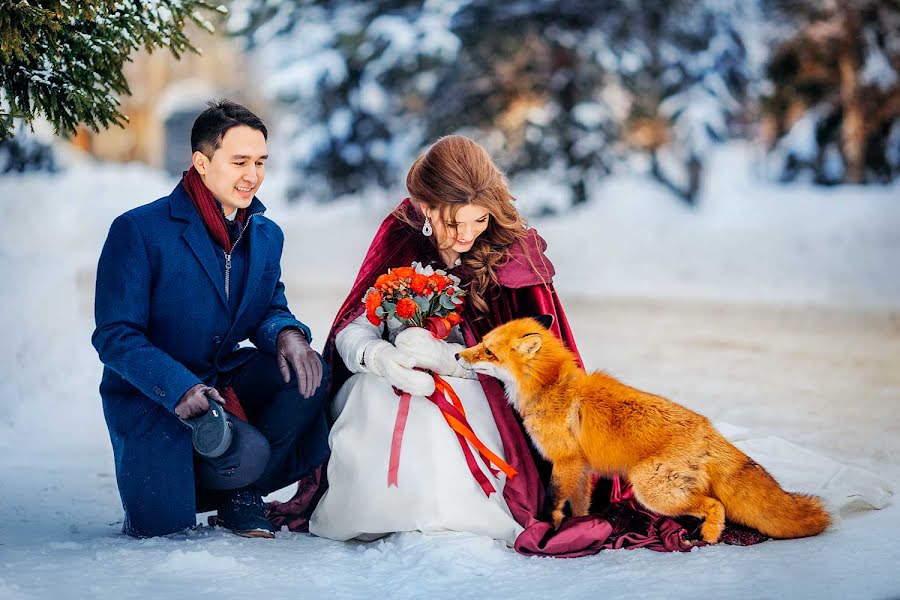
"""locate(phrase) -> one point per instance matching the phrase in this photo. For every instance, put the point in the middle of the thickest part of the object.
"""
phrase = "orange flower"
(406, 308)
(404, 272)
(373, 301)
(419, 283)
(454, 319)
(383, 282)
(439, 282)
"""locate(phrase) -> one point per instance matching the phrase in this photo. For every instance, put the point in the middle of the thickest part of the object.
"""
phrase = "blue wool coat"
(164, 325)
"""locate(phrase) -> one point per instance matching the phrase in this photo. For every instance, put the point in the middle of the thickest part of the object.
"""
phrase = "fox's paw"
(710, 532)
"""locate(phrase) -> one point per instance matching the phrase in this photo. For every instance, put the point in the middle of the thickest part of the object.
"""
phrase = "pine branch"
(64, 60)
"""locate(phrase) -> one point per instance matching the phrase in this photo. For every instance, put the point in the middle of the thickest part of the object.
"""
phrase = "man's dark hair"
(214, 122)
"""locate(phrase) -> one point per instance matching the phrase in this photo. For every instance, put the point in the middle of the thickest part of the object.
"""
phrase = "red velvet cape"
(524, 289)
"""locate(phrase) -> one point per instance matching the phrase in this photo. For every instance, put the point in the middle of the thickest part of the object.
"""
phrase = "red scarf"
(214, 219)
(210, 210)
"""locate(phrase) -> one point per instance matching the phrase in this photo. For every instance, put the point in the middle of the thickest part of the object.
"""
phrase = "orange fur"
(677, 463)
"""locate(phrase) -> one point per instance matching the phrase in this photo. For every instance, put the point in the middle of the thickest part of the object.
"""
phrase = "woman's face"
(470, 222)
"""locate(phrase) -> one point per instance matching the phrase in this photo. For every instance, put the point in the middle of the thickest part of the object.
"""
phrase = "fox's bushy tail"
(752, 497)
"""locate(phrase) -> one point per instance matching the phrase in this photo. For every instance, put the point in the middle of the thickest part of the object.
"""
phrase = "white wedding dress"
(436, 492)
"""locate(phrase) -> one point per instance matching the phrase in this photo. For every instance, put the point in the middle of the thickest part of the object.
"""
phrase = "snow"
(775, 308)
(749, 241)
(799, 142)
(302, 78)
(877, 70)
(590, 114)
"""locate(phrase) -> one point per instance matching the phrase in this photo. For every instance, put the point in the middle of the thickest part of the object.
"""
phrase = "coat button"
(159, 391)
(217, 340)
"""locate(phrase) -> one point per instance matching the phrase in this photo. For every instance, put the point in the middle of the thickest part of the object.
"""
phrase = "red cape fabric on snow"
(525, 290)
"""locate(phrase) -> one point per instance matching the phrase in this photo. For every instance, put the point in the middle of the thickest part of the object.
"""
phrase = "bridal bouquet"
(416, 296)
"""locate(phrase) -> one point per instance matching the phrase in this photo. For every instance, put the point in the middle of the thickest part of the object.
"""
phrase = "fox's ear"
(545, 320)
(529, 344)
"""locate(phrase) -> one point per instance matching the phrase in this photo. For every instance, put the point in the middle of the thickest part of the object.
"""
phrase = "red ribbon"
(455, 416)
(397, 438)
(438, 326)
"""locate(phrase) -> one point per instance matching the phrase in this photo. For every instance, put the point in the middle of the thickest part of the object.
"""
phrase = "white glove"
(385, 360)
(431, 353)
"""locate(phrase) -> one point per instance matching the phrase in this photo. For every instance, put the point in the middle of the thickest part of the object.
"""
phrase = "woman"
(460, 217)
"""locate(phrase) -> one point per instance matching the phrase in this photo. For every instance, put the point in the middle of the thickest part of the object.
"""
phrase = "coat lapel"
(258, 242)
(197, 238)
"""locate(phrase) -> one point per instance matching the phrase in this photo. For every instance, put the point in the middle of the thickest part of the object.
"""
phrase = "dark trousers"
(263, 452)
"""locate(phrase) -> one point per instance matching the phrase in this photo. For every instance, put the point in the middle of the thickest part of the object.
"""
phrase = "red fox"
(677, 463)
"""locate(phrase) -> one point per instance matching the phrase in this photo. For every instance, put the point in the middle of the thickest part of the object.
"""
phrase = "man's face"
(236, 170)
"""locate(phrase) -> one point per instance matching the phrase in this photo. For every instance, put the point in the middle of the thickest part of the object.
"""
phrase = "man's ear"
(545, 320)
(200, 161)
(529, 344)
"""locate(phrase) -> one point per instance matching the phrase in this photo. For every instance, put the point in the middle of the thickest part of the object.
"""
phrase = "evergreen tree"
(834, 108)
(63, 59)
(353, 79)
(686, 71)
(568, 89)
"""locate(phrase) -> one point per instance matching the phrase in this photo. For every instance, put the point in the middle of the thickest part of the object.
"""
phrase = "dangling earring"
(426, 228)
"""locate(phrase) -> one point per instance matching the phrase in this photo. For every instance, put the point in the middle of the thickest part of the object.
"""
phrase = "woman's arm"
(351, 342)
(360, 345)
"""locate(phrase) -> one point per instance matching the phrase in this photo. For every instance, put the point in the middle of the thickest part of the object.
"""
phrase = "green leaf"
(64, 60)
(423, 304)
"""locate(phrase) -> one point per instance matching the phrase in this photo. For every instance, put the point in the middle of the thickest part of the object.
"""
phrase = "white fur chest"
(509, 383)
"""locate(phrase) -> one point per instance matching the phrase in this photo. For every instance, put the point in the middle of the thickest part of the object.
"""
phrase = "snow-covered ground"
(772, 308)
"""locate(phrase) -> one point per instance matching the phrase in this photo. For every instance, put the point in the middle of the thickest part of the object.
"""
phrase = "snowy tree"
(834, 106)
(353, 79)
(63, 59)
(682, 75)
(566, 89)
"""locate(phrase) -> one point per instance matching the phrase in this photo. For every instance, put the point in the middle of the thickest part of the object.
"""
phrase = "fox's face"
(506, 350)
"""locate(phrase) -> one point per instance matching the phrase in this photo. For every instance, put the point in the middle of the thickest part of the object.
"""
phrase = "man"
(180, 283)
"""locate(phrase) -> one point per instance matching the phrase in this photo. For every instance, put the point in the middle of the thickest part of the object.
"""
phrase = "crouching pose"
(181, 282)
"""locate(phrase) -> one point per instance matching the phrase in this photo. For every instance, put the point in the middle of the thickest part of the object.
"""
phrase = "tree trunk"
(853, 129)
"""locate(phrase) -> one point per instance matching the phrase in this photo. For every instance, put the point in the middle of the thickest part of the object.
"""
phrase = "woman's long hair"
(456, 172)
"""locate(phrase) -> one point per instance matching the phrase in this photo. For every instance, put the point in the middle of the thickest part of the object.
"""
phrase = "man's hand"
(294, 350)
(195, 401)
